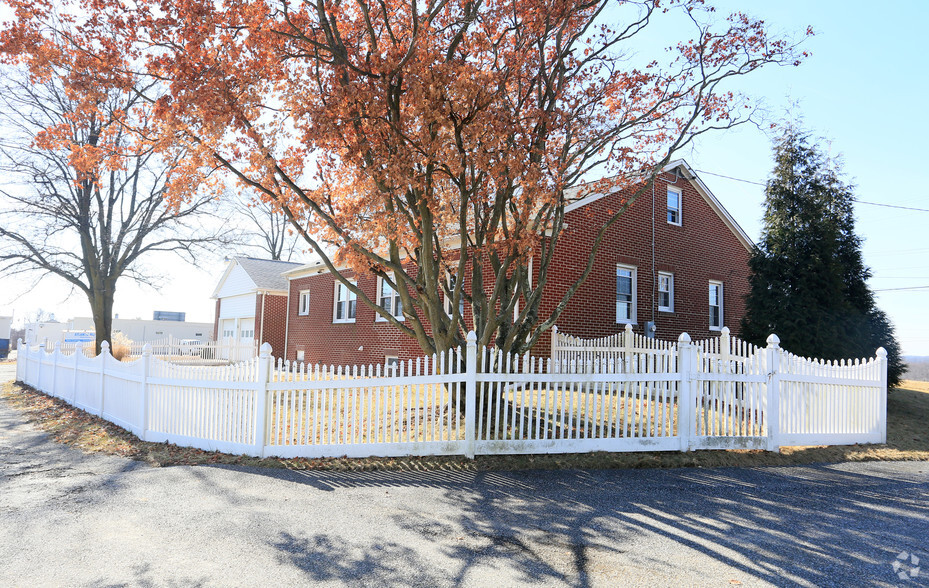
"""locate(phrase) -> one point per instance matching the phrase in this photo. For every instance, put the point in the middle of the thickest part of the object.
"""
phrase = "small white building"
(6, 323)
(251, 299)
(138, 330)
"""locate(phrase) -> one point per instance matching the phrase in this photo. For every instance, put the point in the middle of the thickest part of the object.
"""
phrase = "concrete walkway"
(75, 519)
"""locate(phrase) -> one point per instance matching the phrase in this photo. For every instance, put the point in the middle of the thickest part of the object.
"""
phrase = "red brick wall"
(271, 324)
(323, 341)
(703, 248)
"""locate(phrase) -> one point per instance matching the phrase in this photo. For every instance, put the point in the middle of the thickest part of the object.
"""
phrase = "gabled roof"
(265, 273)
(689, 174)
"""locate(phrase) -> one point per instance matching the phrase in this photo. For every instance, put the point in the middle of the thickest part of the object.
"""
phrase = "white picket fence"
(721, 393)
(184, 352)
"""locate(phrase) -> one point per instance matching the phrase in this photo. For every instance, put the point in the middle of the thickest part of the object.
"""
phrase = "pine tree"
(809, 281)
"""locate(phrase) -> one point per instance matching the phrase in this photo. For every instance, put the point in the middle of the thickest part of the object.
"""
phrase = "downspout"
(261, 332)
(287, 321)
(654, 276)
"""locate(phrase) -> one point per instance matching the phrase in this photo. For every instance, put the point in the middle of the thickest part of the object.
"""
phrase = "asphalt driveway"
(75, 519)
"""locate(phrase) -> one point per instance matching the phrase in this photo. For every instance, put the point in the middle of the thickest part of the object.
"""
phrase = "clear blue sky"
(864, 88)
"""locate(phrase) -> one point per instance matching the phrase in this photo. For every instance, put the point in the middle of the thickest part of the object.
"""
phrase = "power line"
(853, 199)
(909, 288)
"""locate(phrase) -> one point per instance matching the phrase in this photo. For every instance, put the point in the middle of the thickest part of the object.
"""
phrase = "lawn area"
(907, 439)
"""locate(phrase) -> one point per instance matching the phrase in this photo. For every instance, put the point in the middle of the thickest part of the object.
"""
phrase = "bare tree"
(83, 196)
(265, 226)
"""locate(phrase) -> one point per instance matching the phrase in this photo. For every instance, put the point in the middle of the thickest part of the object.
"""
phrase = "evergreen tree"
(809, 281)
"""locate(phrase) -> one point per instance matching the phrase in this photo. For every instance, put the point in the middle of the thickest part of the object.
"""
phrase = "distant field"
(917, 368)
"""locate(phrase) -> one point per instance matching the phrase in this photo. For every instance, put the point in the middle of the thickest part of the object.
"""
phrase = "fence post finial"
(773, 409)
(147, 349)
(57, 346)
(265, 349)
(104, 347)
(683, 338)
(881, 353)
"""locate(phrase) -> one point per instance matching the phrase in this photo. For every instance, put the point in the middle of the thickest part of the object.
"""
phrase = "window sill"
(380, 319)
(342, 321)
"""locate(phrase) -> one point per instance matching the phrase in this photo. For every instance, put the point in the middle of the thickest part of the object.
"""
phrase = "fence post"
(146, 369)
(55, 353)
(38, 379)
(685, 394)
(774, 392)
(554, 343)
(261, 399)
(104, 351)
(78, 349)
(19, 363)
(882, 410)
(470, 394)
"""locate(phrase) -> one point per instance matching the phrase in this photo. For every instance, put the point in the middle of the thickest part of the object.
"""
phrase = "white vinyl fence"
(182, 351)
(624, 394)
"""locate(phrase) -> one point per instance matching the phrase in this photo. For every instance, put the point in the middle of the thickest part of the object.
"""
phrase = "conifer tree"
(809, 281)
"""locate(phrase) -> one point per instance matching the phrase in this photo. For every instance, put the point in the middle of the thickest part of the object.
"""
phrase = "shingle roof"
(266, 273)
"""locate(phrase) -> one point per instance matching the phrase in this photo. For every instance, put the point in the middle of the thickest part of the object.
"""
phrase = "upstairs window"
(345, 300)
(665, 292)
(450, 280)
(716, 306)
(625, 294)
(304, 308)
(389, 300)
(674, 205)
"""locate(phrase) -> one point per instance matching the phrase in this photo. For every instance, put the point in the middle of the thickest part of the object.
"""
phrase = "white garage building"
(250, 293)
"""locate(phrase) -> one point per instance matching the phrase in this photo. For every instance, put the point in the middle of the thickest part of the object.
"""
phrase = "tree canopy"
(809, 280)
(429, 142)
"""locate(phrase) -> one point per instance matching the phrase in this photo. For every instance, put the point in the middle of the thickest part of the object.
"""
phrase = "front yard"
(907, 440)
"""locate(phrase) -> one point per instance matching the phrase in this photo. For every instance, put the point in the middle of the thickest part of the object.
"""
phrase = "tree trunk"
(101, 304)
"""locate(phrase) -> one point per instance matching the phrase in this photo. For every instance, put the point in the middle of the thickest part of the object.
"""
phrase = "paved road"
(75, 519)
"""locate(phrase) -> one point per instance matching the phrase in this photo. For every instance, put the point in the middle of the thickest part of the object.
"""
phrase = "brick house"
(251, 302)
(675, 261)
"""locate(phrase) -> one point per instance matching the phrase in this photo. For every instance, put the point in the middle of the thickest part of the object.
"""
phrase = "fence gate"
(729, 384)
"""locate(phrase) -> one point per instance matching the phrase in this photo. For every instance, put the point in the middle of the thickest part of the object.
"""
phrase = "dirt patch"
(907, 440)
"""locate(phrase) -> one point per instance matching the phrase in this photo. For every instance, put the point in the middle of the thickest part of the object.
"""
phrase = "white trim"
(634, 302)
(669, 308)
(721, 300)
(303, 309)
(336, 302)
(680, 206)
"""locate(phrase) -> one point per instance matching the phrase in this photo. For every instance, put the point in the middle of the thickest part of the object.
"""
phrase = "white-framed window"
(674, 205)
(301, 355)
(389, 300)
(391, 364)
(247, 333)
(625, 294)
(304, 308)
(716, 305)
(344, 307)
(665, 292)
(450, 279)
(229, 332)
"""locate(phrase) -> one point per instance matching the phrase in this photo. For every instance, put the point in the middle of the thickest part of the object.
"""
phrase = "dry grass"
(907, 439)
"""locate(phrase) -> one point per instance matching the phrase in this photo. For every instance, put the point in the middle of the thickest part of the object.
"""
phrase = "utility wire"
(853, 199)
(909, 288)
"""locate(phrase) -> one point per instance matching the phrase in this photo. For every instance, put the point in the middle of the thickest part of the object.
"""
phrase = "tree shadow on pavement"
(819, 525)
